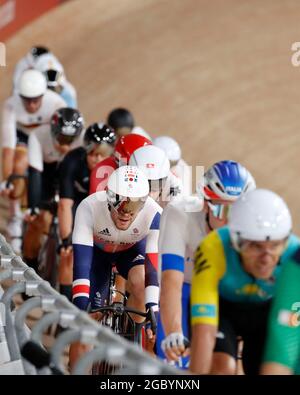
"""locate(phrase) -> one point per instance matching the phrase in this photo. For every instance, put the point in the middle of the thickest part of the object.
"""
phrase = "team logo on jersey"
(150, 165)
(138, 258)
(104, 232)
(135, 230)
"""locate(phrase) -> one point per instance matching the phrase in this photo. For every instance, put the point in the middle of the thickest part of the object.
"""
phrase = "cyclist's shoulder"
(185, 204)
(10, 102)
(151, 207)
(107, 162)
(53, 98)
(213, 242)
(73, 160)
(96, 201)
(75, 156)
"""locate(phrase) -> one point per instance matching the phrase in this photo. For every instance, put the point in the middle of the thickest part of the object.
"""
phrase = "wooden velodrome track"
(216, 75)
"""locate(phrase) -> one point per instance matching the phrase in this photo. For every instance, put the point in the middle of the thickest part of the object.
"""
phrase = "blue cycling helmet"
(227, 180)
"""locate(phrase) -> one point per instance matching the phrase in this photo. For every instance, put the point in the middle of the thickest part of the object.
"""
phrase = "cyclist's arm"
(151, 263)
(65, 217)
(172, 246)
(208, 270)
(9, 138)
(170, 301)
(83, 254)
(67, 172)
(282, 353)
(35, 159)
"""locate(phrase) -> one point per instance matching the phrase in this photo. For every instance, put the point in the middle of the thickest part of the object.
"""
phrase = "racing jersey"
(74, 176)
(218, 271)
(182, 226)
(43, 158)
(283, 340)
(94, 228)
(41, 147)
(16, 117)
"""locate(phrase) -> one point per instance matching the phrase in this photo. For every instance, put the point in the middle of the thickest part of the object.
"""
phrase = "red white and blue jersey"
(95, 229)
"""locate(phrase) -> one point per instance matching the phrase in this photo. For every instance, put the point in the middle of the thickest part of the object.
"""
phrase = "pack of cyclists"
(219, 267)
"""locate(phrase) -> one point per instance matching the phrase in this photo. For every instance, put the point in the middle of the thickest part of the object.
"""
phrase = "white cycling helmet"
(169, 146)
(259, 215)
(152, 161)
(32, 84)
(127, 188)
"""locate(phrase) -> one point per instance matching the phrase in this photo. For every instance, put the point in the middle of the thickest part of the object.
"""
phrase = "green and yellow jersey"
(218, 272)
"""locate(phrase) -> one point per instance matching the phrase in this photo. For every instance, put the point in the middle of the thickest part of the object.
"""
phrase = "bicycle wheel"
(115, 323)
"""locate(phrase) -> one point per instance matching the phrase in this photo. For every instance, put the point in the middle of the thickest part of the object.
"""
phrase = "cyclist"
(235, 273)
(178, 166)
(282, 351)
(124, 148)
(184, 222)
(56, 79)
(164, 186)
(28, 61)
(122, 121)
(74, 176)
(117, 226)
(46, 147)
(32, 106)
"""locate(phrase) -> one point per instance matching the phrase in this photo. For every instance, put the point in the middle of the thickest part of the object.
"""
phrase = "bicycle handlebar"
(119, 308)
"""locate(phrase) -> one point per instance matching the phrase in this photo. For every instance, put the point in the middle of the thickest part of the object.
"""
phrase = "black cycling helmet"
(120, 118)
(38, 51)
(98, 133)
(66, 125)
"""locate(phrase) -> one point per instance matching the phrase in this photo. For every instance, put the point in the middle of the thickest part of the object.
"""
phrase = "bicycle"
(116, 315)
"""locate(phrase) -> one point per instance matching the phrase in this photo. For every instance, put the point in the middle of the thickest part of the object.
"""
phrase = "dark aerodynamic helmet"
(38, 51)
(120, 118)
(66, 125)
(98, 133)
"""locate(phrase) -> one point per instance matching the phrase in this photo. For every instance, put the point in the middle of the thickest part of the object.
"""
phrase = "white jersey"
(29, 62)
(95, 229)
(94, 225)
(41, 147)
(184, 172)
(16, 117)
(182, 226)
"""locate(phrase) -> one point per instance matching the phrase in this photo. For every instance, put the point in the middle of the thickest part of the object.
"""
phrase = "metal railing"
(17, 341)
